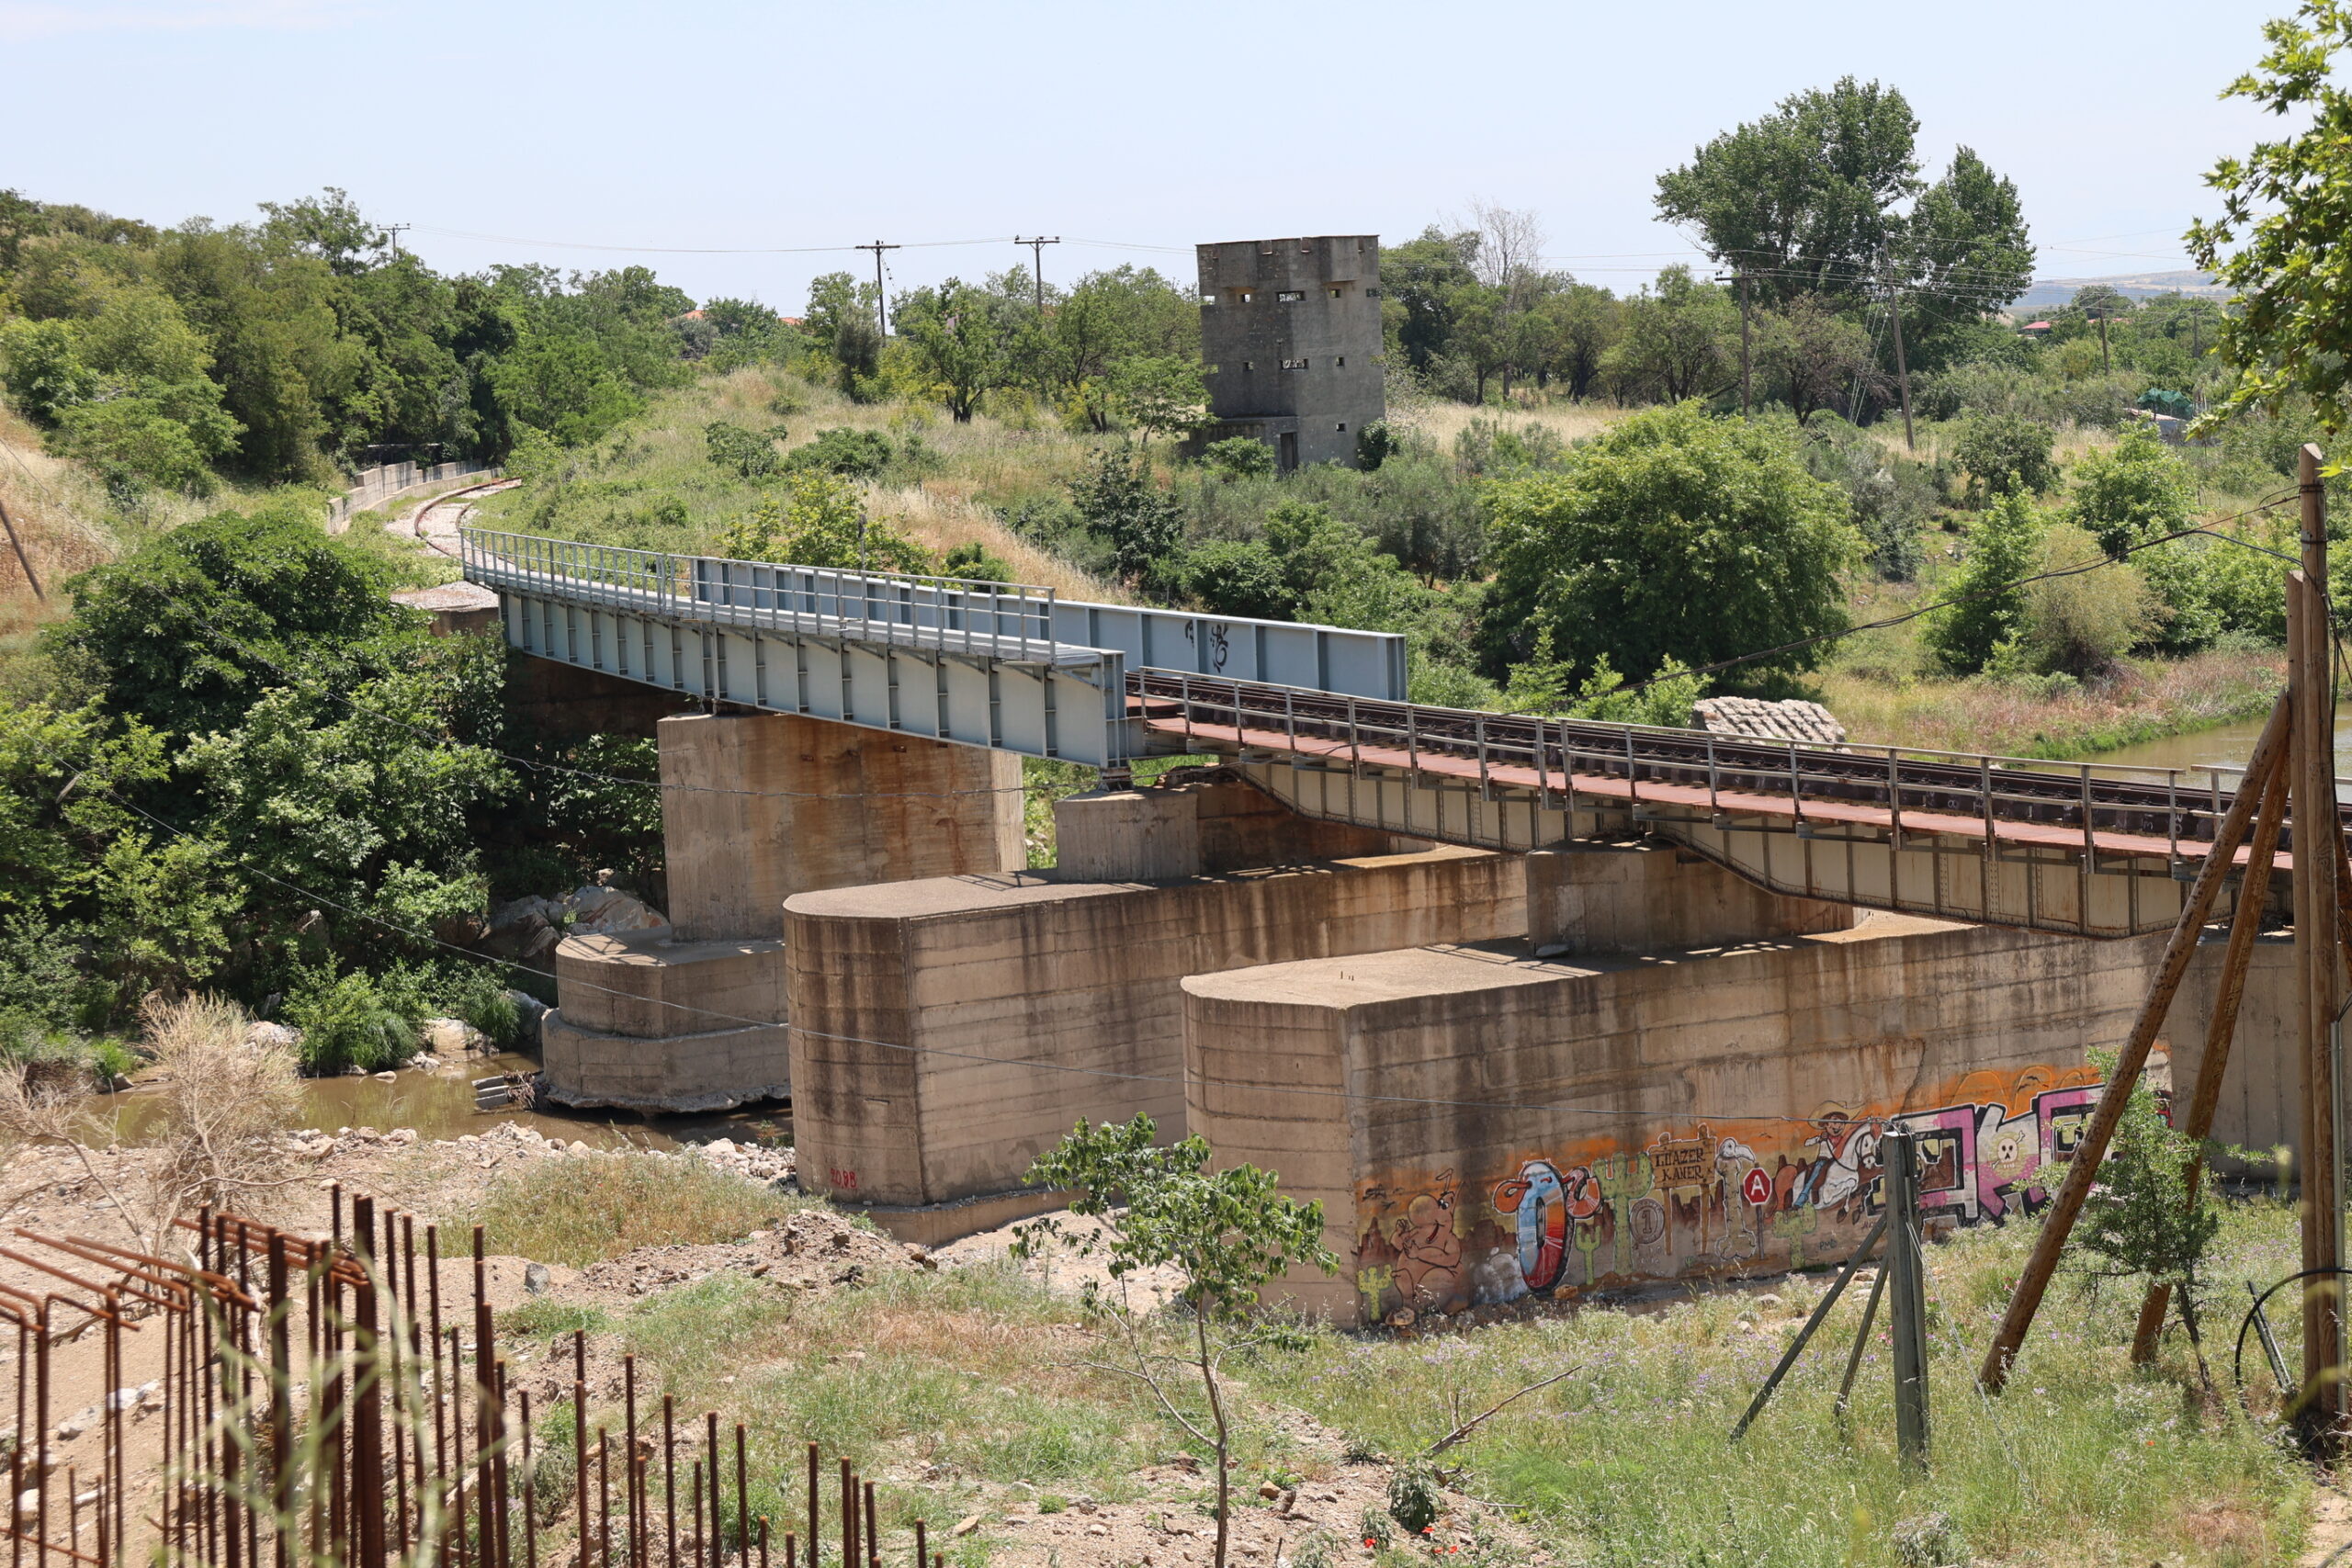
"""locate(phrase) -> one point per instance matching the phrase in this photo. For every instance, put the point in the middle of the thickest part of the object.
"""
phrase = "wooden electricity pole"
(2319, 967)
(1903, 373)
(1744, 399)
(881, 305)
(2082, 1170)
(1037, 243)
(17, 545)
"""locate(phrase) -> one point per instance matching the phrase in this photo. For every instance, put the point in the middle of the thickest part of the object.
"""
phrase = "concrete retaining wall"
(1077, 981)
(1683, 1113)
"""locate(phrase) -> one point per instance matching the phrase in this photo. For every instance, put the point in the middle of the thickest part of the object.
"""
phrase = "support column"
(758, 807)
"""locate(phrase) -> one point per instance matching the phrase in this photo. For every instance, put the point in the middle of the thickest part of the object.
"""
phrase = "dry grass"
(2140, 703)
(1440, 419)
(221, 1103)
(585, 1210)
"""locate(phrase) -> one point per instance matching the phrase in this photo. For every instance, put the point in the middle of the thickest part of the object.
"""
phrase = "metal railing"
(1692, 770)
(996, 619)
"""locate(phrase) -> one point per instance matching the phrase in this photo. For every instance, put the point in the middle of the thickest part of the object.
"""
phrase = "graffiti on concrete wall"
(1695, 1198)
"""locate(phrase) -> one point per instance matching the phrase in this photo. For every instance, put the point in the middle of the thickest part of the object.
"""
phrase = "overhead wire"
(1177, 1080)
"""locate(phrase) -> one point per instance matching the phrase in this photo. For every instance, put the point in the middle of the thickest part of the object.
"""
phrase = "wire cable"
(1173, 1078)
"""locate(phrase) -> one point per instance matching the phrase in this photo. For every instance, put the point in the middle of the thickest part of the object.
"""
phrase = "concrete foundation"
(1675, 1114)
(761, 807)
(1027, 1000)
(1646, 897)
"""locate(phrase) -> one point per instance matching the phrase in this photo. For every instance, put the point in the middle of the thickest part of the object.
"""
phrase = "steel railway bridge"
(1317, 716)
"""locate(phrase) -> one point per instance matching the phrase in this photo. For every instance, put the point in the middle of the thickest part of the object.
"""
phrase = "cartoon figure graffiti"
(1537, 1199)
(1429, 1253)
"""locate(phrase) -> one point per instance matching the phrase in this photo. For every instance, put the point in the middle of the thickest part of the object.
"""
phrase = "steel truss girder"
(1067, 703)
(1943, 876)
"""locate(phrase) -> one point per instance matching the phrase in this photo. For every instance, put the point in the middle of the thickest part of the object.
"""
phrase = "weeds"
(591, 1207)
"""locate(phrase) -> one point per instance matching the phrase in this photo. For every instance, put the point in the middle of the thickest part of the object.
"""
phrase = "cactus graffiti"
(1683, 1199)
(1622, 1178)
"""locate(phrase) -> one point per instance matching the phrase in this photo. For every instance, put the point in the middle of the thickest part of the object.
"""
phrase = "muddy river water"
(441, 1105)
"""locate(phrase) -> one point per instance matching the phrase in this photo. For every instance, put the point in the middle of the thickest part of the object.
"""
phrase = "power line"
(1179, 1079)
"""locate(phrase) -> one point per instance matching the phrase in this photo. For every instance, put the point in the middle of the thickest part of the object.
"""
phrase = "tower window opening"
(1289, 296)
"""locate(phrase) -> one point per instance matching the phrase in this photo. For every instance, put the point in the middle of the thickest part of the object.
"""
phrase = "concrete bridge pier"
(756, 808)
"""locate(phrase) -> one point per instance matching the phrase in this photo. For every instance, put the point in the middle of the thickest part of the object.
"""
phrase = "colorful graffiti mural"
(1695, 1199)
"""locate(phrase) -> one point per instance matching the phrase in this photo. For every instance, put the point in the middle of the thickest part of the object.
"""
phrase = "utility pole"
(2320, 997)
(1037, 243)
(17, 545)
(2105, 367)
(1906, 1294)
(881, 308)
(1903, 373)
(394, 231)
(1739, 279)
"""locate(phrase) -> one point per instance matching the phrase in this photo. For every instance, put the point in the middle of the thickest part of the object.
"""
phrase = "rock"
(401, 1136)
(1098, 1530)
(27, 1509)
(1268, 1491)
(453, 1037)
(1768, 1300)
(528, 1011)
(387, 1078)
(124, 1398)
(963, 1526)
(601, 909)
(263, 1035)
(536, 1278)
(1403, 1317)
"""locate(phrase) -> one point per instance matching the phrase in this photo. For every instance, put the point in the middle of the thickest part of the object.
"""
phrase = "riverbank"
(977, 1393)
(2146, 700)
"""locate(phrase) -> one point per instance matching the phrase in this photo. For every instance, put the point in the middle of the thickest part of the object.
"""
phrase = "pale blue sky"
(719, 123)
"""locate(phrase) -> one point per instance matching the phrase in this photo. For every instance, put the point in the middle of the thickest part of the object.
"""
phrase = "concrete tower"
(1290, 330)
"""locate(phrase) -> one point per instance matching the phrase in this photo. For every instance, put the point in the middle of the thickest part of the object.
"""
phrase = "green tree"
(1678, 338)
(1119, 499)
(1961, 253)
(167, 630)
(2278, 243)
(1671, 535)
(962, 338)
(1225, 1234)
(2149, 1219)
(753, 456)
(561, 385)
(1987, 600)
(1819, 358)
(2006, 453)
(1242, 578)
(1802, 198)
(1160, 394)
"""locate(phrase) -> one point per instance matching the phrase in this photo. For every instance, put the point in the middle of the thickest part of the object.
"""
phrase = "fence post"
(1906, 1294)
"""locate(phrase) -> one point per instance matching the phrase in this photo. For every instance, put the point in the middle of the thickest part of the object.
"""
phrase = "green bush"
(1987, 607)
(1239, 457)
(2005, 453)
(974, 563)
(349, 1021)
(851, 454)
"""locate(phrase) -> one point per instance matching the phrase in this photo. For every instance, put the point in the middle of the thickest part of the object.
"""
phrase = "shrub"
(1375, 443)
(1415, 1497)
(347, 1021)
(2004, 452)
(974, 563)
(851, 454)
(2080, 624)
(1239, 577)
(753, 456)
(1239, 458)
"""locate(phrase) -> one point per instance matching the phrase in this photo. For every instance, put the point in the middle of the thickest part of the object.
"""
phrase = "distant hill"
(2048, 291)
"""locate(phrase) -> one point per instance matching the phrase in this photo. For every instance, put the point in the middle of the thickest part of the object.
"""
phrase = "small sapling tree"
(2150, 1217)
(1224, 1233)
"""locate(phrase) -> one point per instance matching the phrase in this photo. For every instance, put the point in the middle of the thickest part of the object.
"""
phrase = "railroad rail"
(2085, 848)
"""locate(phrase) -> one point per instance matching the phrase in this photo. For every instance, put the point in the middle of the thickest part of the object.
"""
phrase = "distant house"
(2036, 329)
